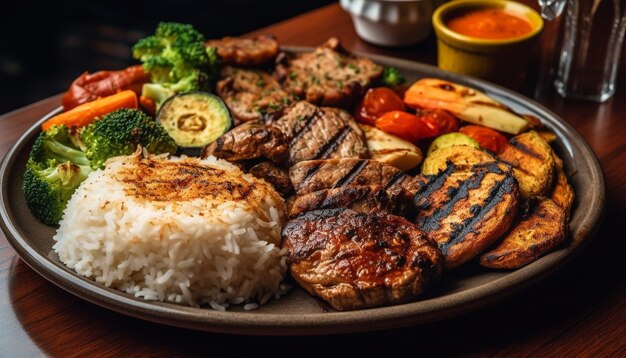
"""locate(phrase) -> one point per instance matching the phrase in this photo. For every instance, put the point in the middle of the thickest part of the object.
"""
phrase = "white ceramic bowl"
(391, 22)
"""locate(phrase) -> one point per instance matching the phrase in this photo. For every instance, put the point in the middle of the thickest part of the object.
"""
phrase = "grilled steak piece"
(354, 261)
(320, 133)
(236, 51)
(326, 76)
(278, 177)
(466, 214)
(366, 199)
(313, 175)
(250, 141)
(539, 233)
(252, 94)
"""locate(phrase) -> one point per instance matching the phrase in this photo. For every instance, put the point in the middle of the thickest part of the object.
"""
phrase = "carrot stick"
(148, 105)
(85, 113)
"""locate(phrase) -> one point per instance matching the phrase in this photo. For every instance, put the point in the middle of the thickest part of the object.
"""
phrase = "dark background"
(46, 45)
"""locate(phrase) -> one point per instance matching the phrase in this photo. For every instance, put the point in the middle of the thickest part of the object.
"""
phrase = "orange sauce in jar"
(490, 24)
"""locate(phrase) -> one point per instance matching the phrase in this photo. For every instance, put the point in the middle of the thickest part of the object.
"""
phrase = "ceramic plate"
(460, 291)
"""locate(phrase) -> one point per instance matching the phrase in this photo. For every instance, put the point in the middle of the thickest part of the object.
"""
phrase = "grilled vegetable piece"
(465, 103)
(252, 94)
(450, 140)
(194, 119)
(466, 215)
(392, 150)
(120, 132)
(356, 261)
(313, 175)
(242, 52)
(327, 76)
(366, 199)
(539, 233)
(562, 193)
(250, 141)
(320, 133)
(462, 156)
(532, 161)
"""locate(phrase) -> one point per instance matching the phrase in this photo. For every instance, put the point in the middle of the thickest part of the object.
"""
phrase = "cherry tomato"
(405, 125)
(376, 102)
(90, 86)
(440, 121)
(486, 137)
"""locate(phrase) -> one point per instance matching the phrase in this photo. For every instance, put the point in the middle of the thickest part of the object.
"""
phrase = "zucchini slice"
(194, 119)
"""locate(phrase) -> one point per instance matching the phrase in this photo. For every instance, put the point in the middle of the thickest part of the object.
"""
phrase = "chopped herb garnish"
(293, 75)
(260, 82)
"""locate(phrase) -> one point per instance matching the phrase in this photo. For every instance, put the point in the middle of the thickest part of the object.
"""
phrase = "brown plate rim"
(431, 309)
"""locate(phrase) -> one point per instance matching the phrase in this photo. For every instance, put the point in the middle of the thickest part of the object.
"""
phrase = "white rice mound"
(198, 252)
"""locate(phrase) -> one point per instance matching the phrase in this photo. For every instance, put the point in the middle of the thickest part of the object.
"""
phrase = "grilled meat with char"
(252, 94)
(320, 133)
(534, 236)
(250, 141)
(466, 214)
(366, 199)
(237, 51)
(273, 174)
(313, 175)
(354, 260)
(327, 76)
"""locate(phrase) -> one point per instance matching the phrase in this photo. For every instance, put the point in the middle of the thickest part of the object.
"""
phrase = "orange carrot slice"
(85, 113)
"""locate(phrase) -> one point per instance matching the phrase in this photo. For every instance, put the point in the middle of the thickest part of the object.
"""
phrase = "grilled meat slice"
(539, 233)
(354, 261)
(366, 199)
(532, 161)
(465, 215)
(242, 52)
(250, 141)
(313, 175)
(278, 177)
(252, 94)
(327, 76)
(321, 133)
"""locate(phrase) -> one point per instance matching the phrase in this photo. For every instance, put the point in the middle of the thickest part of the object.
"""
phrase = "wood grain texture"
(580, 311)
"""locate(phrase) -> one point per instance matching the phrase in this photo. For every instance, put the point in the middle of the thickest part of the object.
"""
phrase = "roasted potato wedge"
(563, 194)
(537, 234)
(533, 163)
(462, 156)
(392, 150)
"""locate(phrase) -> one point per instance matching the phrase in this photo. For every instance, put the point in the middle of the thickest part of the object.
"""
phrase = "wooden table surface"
(579, 311)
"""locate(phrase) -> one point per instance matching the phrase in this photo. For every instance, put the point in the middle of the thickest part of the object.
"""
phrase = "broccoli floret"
(120, 132)
(392, 77)
(48, 190)
(54, 170)
(176, 58)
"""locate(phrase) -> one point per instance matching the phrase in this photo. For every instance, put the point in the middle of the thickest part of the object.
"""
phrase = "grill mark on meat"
(421, 197)
(331, 146)
(431, 223)
(523, 148)
(496, 195)
(395, 179)
(309, 174)
(353, 173)
(305, 128)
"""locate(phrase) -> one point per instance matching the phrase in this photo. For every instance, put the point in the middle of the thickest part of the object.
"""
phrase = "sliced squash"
(462, 156)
